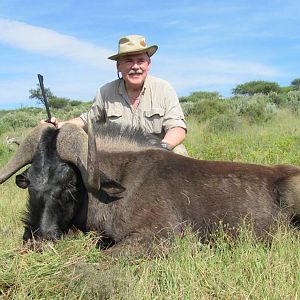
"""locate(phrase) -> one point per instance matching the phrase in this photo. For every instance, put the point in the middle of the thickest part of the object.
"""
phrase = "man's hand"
(53, 121)
(76, 121)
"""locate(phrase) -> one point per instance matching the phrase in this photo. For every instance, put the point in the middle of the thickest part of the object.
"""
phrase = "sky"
(202, 45)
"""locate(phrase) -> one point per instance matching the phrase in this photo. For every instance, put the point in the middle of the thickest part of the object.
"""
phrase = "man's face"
(134, 68)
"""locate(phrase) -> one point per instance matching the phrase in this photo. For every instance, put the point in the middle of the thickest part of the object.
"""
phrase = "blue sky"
(203, 45)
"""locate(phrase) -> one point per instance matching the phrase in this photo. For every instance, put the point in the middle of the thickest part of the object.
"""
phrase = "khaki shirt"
(158, 109)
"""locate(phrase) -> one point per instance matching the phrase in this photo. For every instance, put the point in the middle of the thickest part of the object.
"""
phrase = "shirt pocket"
(114, 114)
(154, 120)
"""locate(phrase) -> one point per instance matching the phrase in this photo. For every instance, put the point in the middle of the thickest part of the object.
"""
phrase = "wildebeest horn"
(24, 153)
(72, 146)
(93, 168)
(82, 150)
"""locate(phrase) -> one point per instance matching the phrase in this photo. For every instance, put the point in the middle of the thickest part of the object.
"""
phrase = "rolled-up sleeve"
(174, 116)
(95, 112)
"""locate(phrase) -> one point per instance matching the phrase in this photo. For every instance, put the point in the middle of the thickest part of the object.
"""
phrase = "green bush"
(19, 119)
(293, 96)
(293, 100)
(279, 99)
(70, 112)
(255, 109)
(30, 117)
(208, 109)
(58, 103)
(187, 108)
(200, 96)
(75, 102)
(286, 89)
(225, 122)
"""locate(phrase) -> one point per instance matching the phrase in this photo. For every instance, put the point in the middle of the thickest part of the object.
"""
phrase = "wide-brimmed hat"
(133, 44)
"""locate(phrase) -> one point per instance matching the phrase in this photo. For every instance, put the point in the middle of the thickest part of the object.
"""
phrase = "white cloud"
(190, 73)
(48, 42)
(80, 81)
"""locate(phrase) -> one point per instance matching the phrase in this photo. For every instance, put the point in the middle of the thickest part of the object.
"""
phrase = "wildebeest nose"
(52, 233)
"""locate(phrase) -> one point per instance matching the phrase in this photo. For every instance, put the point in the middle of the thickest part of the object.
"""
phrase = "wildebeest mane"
(114, 137)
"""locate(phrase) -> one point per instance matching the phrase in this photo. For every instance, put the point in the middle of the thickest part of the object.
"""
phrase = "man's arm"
(77, 121)
(174, 123)
(174, 137)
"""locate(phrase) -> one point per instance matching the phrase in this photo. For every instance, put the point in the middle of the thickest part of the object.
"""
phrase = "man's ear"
(22, 180)
(110, 186)
(149, 65)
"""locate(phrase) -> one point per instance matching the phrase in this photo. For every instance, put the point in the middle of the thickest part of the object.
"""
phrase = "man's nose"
(135, 65)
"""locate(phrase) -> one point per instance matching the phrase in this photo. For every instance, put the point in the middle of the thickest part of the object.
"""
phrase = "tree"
(201, 95)
(37, 94)
(296, 83)
(58, 102)
(256, 87)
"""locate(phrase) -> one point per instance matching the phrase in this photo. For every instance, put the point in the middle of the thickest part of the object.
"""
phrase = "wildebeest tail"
(289, 189)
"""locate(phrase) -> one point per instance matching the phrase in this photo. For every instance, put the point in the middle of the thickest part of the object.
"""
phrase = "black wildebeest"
(131, 191)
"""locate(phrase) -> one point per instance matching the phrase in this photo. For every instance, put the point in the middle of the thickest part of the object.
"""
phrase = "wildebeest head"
(64, 169)
(55, 187)
(56, 180)
(55, 196)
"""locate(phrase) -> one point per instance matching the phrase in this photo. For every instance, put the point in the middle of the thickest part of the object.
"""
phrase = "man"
(138, 99)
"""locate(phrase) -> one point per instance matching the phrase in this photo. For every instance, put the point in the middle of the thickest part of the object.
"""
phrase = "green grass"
(74, 268)
(276, 142)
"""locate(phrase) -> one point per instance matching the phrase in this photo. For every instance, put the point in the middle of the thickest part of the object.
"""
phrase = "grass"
(275, 142)
(74, 268)
(223, 271)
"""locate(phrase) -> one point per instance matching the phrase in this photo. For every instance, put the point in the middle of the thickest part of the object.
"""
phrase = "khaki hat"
(133, 44)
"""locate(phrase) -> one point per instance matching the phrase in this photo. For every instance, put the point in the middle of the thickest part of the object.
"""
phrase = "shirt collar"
(122, 88)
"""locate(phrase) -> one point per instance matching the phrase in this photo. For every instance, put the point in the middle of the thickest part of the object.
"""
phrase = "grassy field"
(74, 268)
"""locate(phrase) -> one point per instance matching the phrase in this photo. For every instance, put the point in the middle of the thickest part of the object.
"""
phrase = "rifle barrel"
(41, 81)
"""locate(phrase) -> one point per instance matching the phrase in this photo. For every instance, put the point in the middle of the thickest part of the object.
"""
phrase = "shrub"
(58, 103)
(293, 101)
(207, 109)
(286, 89)
(225, 122)
(187, 108)
(280, 99)
(74, 102)
(19, 119)
(200, 96)
(255, 108)
(293, 96)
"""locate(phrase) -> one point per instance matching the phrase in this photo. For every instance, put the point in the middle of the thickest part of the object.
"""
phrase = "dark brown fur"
(165, 192)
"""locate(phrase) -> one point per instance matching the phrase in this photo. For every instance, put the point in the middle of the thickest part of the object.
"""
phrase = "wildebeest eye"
(22, 180)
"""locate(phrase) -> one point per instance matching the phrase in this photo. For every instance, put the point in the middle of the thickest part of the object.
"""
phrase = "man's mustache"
(132, 72)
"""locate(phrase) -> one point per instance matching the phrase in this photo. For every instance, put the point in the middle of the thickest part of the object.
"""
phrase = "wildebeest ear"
(22, 180)
(110, 186)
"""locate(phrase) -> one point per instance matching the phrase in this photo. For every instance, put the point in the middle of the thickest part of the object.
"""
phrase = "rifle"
(41, 81)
